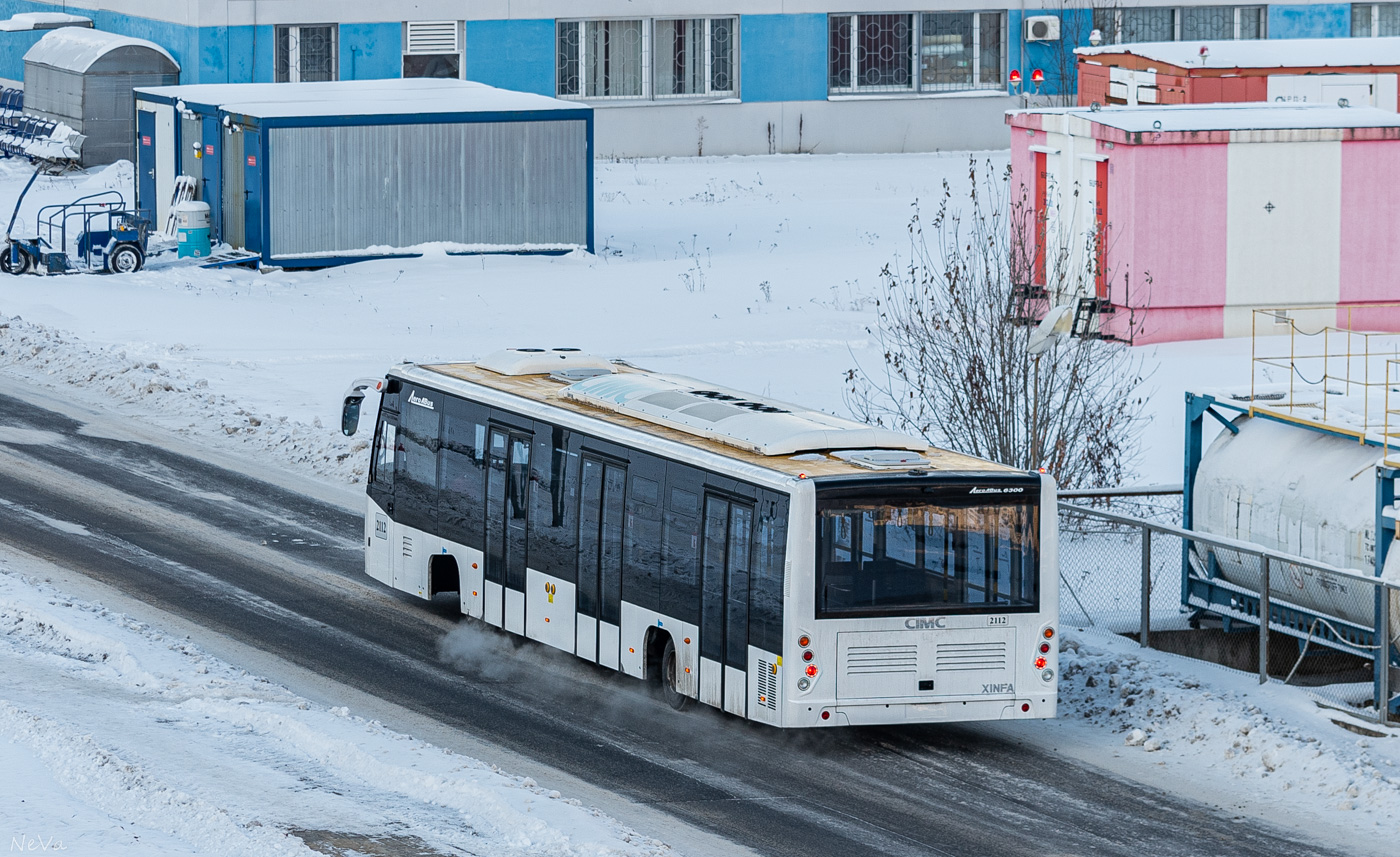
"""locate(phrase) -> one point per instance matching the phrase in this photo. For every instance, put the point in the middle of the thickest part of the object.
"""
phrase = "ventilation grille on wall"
(432, 37)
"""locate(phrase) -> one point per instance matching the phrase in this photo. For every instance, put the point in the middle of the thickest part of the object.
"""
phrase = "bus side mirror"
(350, 414)
(354, 397)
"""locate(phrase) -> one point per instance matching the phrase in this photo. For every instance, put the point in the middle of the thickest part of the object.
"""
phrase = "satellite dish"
(1057, 324)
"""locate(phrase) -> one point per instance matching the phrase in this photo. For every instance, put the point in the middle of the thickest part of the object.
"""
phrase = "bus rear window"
(917, 558)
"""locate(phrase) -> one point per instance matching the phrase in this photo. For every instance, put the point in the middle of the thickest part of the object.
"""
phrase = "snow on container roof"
(392, 96)
(24, 21)
(1262, 53)
(78, 48)
(1248, 116)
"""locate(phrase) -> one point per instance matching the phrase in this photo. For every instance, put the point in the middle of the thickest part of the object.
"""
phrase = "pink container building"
(1178, 222)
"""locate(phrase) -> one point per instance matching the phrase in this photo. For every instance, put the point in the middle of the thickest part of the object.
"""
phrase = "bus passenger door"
(602, 492)
(379, 538)
(507, 507)
(724, 608)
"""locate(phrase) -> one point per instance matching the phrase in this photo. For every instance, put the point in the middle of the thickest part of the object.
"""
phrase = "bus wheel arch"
(443, 574)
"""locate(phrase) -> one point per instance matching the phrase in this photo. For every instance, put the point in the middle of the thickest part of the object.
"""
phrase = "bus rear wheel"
(670, 678)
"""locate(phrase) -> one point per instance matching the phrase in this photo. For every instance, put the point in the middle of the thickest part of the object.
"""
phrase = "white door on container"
(1356, 94)
(1283, 225)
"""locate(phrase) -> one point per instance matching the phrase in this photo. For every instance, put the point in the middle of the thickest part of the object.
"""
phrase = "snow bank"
(142, 384)
(1219, 729)
(160, 746)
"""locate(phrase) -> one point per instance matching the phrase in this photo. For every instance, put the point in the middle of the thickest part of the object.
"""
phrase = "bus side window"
(386, 441)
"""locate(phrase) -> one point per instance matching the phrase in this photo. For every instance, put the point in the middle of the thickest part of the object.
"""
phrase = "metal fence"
(1122, 574)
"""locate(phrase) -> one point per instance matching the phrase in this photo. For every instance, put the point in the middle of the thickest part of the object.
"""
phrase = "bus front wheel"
(670, 678)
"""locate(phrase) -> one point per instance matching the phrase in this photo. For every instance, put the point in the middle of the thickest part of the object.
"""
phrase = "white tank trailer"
(1301, 492)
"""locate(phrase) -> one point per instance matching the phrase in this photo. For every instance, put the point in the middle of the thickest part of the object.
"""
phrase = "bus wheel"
(670, 678)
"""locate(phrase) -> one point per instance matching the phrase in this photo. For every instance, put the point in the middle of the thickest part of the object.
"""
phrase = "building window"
(1191, 23)
(872, 53)
(305, 53)
(602, 59)
(917, 52)
(432, 49)
(1375, 19)
(646, 58)
(693, 56)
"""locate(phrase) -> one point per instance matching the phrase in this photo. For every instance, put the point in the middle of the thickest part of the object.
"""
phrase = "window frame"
(1115, 37)
(649, 60)
(917, 86)
(294, 51)
(1373, 26)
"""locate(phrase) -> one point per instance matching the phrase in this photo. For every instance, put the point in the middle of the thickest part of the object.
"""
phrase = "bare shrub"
(957, 366)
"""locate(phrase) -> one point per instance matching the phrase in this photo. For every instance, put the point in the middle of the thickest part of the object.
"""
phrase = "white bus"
(773, 561)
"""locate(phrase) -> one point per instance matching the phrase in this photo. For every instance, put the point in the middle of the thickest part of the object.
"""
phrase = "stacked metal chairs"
(11, 104)
(40, 141)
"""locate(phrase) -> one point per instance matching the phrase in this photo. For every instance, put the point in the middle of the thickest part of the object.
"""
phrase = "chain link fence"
(1122, 573)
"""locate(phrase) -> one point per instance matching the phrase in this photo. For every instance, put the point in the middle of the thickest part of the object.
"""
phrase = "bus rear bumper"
(879, 713)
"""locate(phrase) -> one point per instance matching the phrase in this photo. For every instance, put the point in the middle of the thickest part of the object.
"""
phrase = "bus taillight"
(807, 655)
(804, 641)
(1040, 662)
(1049, 633)
(1045, 648)
(811, 670)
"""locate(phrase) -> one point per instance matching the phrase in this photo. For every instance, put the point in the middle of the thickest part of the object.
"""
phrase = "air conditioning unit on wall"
(1043, 28)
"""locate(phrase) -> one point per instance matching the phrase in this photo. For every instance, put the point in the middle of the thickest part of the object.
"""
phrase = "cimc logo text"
(921, 624)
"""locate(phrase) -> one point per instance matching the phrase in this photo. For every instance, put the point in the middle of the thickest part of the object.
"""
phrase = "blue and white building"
(677, 77)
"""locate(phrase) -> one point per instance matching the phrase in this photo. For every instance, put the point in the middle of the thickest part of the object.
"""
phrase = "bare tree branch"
(956, 367)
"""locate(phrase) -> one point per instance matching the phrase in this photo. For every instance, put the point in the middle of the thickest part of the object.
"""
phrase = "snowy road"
(281, 571)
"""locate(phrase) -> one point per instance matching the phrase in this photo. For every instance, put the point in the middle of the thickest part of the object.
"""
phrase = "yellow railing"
(1391, 428)
(1336, 376)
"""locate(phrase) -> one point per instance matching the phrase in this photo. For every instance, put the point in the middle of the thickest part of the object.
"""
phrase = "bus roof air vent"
(731, 417)
(544, 361)
(569, 376)
(881, 459)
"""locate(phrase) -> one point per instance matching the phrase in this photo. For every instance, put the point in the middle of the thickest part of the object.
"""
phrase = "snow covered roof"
(77, 48)
(358, 97)
(732, 417)
(1228, 117)
(23, 21)
(1262, 53)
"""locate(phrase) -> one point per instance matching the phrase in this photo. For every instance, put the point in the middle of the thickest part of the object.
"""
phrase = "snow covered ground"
(759, 273)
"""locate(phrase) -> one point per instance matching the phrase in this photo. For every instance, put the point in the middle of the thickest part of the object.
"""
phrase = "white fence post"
(1264, 621)
(1145, 629)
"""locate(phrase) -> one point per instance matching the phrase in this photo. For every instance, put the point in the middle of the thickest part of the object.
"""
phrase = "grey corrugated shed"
(85, 79)
(343, 170)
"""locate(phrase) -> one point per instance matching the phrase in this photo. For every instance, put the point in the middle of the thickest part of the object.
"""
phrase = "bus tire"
(670, 678)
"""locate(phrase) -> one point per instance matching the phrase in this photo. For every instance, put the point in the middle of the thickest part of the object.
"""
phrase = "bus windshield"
(887, 555)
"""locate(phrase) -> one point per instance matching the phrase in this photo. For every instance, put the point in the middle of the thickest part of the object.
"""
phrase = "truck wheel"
(125, 259)
(670, 678)
(18, 263)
